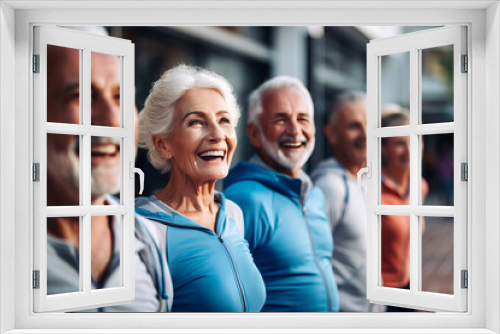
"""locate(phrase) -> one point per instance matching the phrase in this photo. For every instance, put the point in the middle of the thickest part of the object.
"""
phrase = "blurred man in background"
(152, 287)
(285, 216)
(346, 207)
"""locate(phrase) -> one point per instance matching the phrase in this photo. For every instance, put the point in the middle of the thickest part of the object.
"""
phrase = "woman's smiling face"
(203, 140)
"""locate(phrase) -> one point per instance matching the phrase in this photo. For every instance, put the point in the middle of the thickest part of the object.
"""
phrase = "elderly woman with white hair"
(188, 126)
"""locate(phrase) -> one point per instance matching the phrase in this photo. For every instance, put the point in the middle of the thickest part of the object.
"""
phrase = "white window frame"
(85, 43)
(414, 44)
(16, 21)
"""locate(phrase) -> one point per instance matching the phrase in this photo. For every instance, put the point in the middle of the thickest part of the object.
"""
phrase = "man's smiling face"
(63, 106)
(286, 130)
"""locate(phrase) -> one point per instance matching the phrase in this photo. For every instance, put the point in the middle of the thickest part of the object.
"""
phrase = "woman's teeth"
(211, 154)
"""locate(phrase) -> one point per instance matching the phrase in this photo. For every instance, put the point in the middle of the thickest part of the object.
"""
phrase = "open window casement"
(414, 46)
(81, 132)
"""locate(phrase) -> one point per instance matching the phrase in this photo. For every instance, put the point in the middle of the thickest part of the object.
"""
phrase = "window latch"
(367, 170)
(133, 170)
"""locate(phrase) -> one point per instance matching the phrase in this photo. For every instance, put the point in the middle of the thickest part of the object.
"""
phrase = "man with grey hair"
(346, 207)
(285, 216)
(153, 289)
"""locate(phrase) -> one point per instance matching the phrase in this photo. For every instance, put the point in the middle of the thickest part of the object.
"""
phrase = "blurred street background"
(328, 60)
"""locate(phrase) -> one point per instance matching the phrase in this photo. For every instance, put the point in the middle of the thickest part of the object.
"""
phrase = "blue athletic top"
(211, 271)
(289, 237)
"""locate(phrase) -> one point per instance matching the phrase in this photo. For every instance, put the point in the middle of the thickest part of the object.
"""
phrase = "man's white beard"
(64, 167)
(105, 179)
(102, 184)
(274, 150)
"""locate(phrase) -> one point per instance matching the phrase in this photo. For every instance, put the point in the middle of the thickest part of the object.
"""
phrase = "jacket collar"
(297, 189)
(153, 208)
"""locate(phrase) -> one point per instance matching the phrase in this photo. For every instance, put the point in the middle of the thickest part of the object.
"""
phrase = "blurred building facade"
(327, 59)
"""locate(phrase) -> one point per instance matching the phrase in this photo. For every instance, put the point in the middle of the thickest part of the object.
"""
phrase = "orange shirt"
(396, 235)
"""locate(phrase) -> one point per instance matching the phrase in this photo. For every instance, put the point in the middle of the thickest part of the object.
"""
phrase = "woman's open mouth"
(213, 155)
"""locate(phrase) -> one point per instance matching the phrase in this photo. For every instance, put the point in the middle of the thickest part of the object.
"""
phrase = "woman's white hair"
(280, 82)
(158, 114)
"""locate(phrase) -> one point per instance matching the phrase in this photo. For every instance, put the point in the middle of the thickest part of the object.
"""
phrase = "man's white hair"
(348, 96)
(280, 82)
(158, 113)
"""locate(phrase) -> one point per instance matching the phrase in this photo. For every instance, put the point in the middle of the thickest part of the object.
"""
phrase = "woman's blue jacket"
(211, 271)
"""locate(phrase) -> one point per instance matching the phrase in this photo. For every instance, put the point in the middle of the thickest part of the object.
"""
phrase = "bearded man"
(153, 288)
(286, 224)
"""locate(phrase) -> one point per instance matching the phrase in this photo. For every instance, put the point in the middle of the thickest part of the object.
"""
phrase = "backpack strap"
(346, 197)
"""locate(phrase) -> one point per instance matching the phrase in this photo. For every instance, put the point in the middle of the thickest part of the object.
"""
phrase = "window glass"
(106, 251)
(437, 255)
(63, 259)
(395, 251)
(105, 90)
(63, 170)
(437, 84)
(395, 84)
(105, 166)
(395, 178)
(63, 85)
(438, 169)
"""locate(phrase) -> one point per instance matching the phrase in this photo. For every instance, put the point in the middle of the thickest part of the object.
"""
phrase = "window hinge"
(465, 279)
(36, 63)
(36, 279)
(464, 171)
(36, 172)
(465, 64)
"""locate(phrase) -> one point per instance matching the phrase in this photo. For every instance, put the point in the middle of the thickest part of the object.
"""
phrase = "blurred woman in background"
(395, 190)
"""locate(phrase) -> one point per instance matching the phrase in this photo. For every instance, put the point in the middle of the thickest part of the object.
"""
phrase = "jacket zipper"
(316, 261)
(236, 274)
(233, 266)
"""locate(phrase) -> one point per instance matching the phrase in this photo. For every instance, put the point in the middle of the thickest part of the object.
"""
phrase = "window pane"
(438, 169)
(395, 251)
(105, 80)
(395, 157)
(105, 166)
(437, 255)
(437, 84)
(105, 254)
(63, 170)
(63, 262)
(63, 85)
(395, 84)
